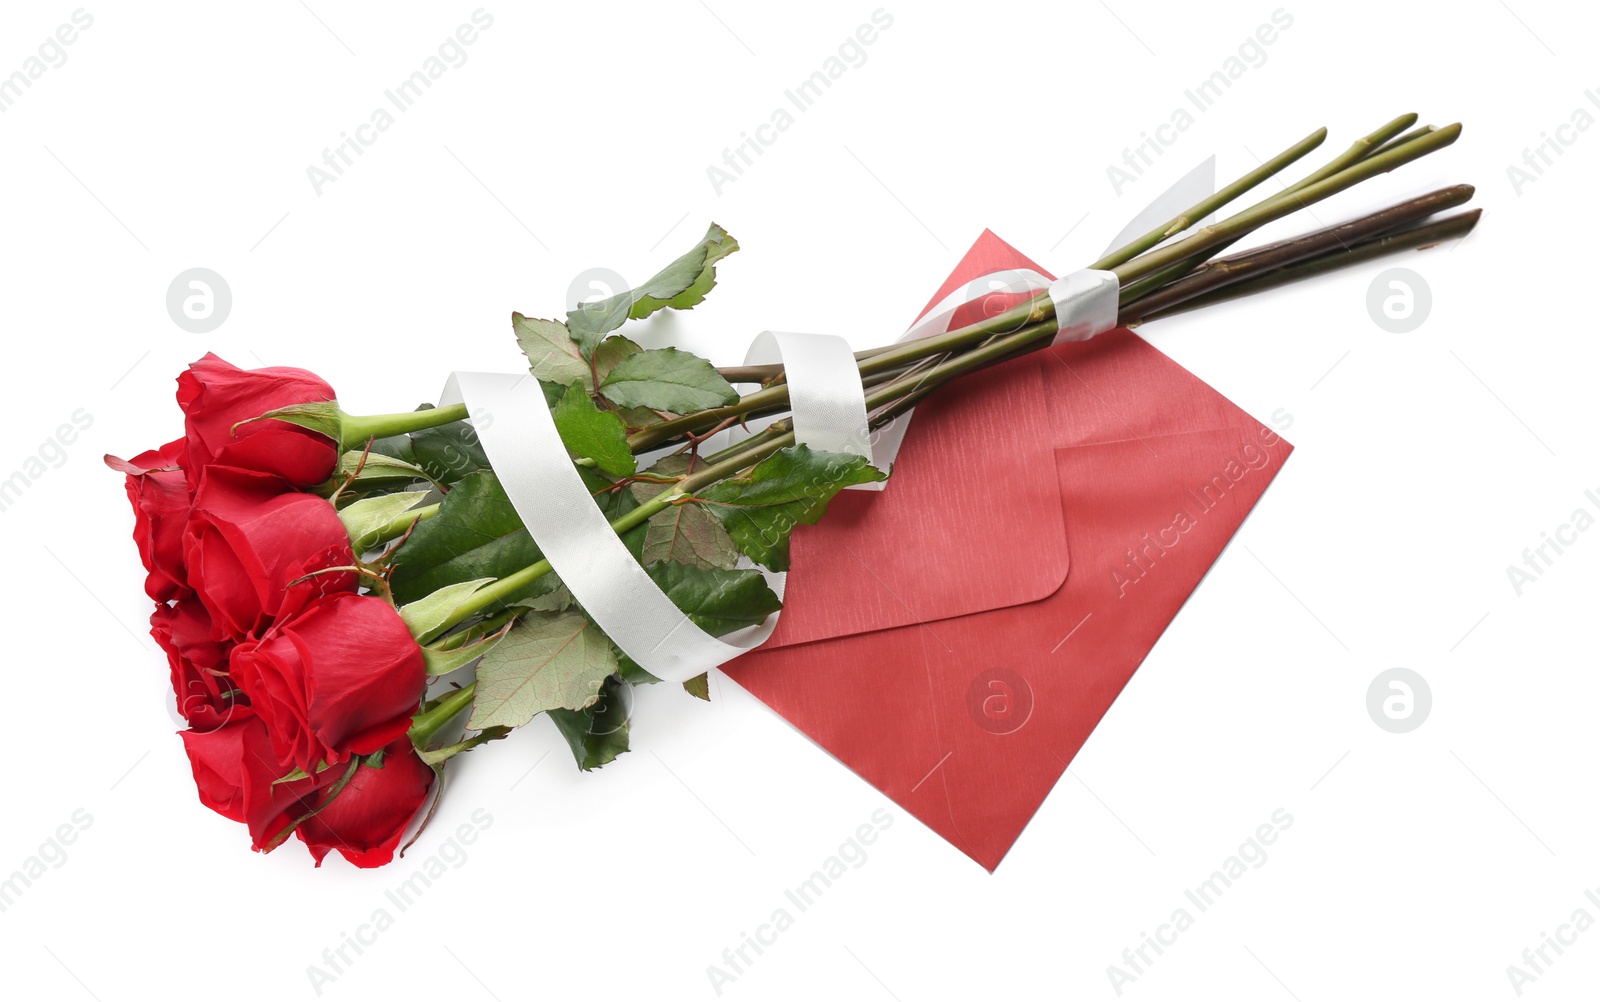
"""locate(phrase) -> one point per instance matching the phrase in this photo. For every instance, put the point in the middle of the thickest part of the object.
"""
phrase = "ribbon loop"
(826, 400)
(520, 438)
(1086, 304)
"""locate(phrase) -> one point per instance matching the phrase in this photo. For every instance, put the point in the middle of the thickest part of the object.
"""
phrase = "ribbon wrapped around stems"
(829, 412)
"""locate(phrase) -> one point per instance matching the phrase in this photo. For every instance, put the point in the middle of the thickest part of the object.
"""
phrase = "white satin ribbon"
(826, 401)
(829, 412)
(936, 320)
(1086, 304)
(519, 436)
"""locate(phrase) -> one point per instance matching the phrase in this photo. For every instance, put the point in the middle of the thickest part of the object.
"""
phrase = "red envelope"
(956, 638)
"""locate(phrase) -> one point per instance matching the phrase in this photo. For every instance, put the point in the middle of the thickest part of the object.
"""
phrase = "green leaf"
(364, 518)
(590, 432)
(639, 417)
(548, 661)
(475, 535)
(296, 774)
(666, 379)
(699, 687)
(377, 469)
(761, 507)
(683, 284)
(321, 416)
(553, 392)
(552, 353)
(630, 670)
(599, 733)
(611, 351)
(478, 534)
(431, 611)
(442, 662)
(614, 504)
(443, 454)
(397, 447)
(434, 756)
(680, 285)
(450, 451)
(684, 533)
(716, 600)
(557, 599)
(590, 322)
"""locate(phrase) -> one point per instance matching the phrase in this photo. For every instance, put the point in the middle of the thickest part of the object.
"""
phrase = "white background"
(1422, 864)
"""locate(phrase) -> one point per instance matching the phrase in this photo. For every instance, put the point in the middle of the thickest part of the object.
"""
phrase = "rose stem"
(425, 726)
(1374, 142)
(893, 357)
(1211, 203)
(1207, 238)
(1358, 150)
(1279, 206)
(1416, 237)
(355, 430)
(1263, 277)
(1414, 133)
(1179, 223)
(1003, 349)
(1226, 270)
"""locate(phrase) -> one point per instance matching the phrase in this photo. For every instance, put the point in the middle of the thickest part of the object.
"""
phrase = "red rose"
(159, 494)
(215, 396)
(237, 774)
(337, 676)
(366, 820)
(206, 697)
(247, 540)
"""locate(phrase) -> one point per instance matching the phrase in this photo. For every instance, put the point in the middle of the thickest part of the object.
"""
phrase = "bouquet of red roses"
(349, 602)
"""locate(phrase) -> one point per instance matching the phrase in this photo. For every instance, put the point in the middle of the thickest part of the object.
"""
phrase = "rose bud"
(247, 540)
(237, 777)
(334, 676)
(159, 493)
(216, 397)
(199, 663)
(366, 819)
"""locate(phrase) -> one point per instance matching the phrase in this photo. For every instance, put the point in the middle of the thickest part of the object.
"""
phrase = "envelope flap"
(934, 545)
